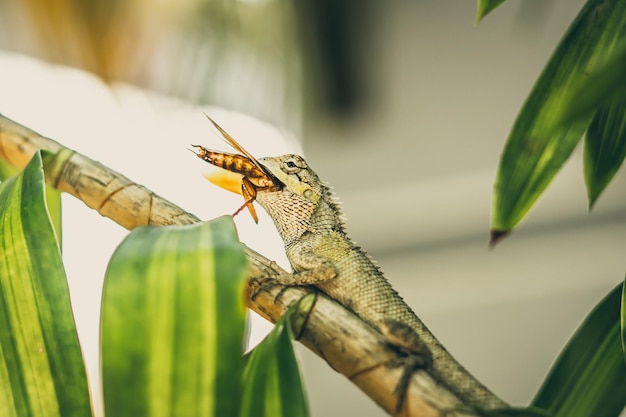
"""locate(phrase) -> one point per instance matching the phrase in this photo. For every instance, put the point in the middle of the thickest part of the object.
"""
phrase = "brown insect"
(254, 175)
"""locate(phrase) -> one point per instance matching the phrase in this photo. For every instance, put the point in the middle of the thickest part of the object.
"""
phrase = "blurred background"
(402, 106)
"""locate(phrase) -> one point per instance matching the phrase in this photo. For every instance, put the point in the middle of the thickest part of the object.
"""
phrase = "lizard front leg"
(309, 269)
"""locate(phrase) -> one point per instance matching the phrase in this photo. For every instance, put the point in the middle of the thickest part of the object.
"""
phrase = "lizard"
(310, 222)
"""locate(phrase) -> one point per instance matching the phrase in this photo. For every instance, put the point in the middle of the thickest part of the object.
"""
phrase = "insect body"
(254, 175)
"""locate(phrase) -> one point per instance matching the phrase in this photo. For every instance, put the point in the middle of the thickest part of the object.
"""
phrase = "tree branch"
(349, 345)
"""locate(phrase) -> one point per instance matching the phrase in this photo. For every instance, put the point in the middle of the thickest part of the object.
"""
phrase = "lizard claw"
(261, 285)
(411, 364)
(278, 296)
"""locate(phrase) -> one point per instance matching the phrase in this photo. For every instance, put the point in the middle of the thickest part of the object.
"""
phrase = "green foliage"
(605, 147)
(511, 412)
(594, 90)
(485, 7)
(601, 94)
(623, 319)
(53, 196)
(173, 321)
(273, 385)
(582, 87)
(540, 142)
(41, 367)
(589, 377)
(53, 203)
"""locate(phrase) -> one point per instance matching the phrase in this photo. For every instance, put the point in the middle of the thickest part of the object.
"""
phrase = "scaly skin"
(321, 254)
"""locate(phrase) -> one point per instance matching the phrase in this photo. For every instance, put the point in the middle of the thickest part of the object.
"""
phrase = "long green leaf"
(6, 170)
(623, 319)
(41, 367)
(485, 7)
(272, 383)
(605, 147)
(600, 88)
(510, 412)
(589, 377)
(173, 321)
(535, 150)
(53, 196)
(53, 202)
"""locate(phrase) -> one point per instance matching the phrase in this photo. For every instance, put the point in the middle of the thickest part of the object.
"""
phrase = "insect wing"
(227, 180)
(232, 142)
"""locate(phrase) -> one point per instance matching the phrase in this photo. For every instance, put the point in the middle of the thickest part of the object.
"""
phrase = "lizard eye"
(291, 166)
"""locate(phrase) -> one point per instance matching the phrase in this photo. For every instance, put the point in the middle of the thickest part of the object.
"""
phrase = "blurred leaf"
(535, 150)
(272, 383)
(485, 7)
(605, 147)
(41, 366)
(623, 319)
(511, 412)
(173, 319)
(599, 88)
(6, 170)
(589, 377)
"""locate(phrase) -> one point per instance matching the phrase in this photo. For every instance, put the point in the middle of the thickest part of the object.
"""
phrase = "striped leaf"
(173, 319)
(53, 201)
(272, 383)
(601, 87)
(53, 196)
(41, 367)
(510, 412)
(589, 377)
(623, 319)
(605, 148)
(537, 147)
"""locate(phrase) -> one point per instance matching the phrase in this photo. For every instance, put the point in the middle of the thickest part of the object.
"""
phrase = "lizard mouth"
(277, 184)
(237, 169)
(232, 180)
(235, 180)
(242, 163)
(240, 168)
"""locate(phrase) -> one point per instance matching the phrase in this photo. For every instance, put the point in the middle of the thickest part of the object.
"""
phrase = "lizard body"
(321, 254)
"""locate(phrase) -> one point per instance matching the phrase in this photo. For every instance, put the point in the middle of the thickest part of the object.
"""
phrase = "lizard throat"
(291, 213)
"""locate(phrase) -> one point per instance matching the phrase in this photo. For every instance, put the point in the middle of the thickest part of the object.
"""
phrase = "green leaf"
(509, 412)
(53, 197)
(41, 367)
(53, 201)
(623, 319)
(535, 150)
(605, 147)
(272, 383)
(173, 321)
(599, 88)
(6, 170)
(485, 7)
(589, 377)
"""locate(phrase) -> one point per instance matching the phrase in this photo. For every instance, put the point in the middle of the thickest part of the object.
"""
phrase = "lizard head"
(301, 202)
(295, 175)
